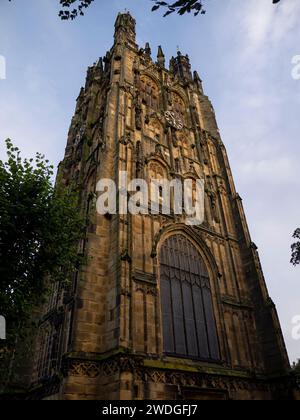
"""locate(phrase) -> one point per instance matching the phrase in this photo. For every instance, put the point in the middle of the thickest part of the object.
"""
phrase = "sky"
(243, 51)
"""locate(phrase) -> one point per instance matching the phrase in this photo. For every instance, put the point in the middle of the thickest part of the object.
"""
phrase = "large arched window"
(189, 327)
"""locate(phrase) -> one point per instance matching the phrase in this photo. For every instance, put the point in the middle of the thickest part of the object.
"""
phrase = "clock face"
(174, 120)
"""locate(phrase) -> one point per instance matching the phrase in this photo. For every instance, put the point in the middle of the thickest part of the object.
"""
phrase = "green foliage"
(40, 227)
(184, 6)
(296, 372)
(295, 260)
(180, 6)
(73, 8)
(296, 367)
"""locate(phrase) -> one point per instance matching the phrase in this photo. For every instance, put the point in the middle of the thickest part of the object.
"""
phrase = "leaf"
(168, 12)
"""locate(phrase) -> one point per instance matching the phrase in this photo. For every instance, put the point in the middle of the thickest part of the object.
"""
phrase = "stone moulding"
(182, 375)
(94, 368)
(140, 276)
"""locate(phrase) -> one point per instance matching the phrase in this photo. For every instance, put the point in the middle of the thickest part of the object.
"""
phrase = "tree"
(296, 372)
(295, 260)
(72, 8)
(181, 7)
(184, 6)
(296, 366)
(40, 228)
(78, 7)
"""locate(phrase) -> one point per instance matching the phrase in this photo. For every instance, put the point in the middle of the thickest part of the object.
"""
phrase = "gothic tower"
(162, 309)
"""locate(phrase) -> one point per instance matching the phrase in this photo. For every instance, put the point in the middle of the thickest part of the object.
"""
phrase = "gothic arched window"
(189, 327)
(149, 92)
(178, 105)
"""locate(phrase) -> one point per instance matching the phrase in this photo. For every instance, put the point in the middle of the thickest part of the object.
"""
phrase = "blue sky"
(243, 52)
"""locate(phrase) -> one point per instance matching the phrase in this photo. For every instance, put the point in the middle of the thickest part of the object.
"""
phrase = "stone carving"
(138, 117)
(126, 139)
(139, 159)
(125, 256)
(93, 369)
(158, 150)
(146, 289)
(156, 168)
(200, 381)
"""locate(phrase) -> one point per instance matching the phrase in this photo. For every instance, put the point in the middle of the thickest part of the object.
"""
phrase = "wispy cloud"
(243, 51)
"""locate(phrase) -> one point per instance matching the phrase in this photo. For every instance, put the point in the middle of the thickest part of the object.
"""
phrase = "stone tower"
(161, 310)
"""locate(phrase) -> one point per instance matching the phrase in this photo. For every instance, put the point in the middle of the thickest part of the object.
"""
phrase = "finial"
(160, 57)
(198, 81)
(172, 62)
(147, 49)
(160, 52)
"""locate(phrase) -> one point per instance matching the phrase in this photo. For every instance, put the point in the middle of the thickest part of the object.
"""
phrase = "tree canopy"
(40, 227)
(295, 260)
(296, 366)
(70, 9)
(296, 371)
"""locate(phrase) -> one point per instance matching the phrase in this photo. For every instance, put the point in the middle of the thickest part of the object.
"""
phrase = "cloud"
(263, 26)
(243, 51)
(257, 106)
(276, 171)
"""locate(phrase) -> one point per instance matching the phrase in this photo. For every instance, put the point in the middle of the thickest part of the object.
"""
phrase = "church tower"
(161, 309)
